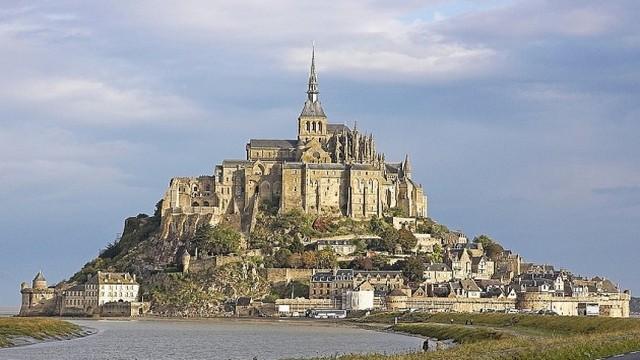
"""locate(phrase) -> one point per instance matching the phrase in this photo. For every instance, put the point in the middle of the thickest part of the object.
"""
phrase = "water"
(214, 339)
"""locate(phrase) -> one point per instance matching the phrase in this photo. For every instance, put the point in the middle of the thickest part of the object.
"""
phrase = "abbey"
(328, 169)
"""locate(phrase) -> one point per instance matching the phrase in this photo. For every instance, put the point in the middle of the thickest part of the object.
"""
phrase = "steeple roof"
(406, 166)
(312, 106)
(39, 277)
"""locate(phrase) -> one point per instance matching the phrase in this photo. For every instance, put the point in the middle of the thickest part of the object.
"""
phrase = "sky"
(521, 117)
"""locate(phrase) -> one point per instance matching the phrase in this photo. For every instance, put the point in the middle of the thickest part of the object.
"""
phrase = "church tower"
(312, 122)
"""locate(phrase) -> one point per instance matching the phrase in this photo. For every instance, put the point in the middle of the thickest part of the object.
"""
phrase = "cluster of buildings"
(467, 280)
(103, 294)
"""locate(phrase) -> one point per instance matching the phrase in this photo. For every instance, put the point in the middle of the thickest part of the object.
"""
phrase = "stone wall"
(274, 275)
(460, 304)
(616, 305)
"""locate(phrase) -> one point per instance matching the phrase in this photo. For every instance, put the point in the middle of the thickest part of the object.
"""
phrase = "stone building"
(39, 299)
(332, 284)
(327, 169)
(100, 289)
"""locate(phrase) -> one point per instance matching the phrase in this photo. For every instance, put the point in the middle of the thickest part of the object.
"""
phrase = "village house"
(332, 284)
(437, 273)
(482, 267)
(460, 263)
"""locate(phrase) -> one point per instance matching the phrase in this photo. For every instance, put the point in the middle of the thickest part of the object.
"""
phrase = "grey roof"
(326, 166)
(336, 128)
(328, 276)
(244, 301)
(39, 277)
(397, 293)
(391, 273)
(269, 143)
(312, 109)
(76, 288)
(231, 163)
(469, 285)
(363, 167)
(393, 167)
(437, 267)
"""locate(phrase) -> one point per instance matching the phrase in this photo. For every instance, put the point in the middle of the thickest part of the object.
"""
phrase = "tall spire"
(406, 167)
(312, 91)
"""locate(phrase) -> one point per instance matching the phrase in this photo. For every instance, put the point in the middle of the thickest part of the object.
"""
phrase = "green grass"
(521, 337)
(554, 325)
(458, 333)
(37, 328)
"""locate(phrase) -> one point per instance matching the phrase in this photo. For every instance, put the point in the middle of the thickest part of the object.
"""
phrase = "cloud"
(95, 102)
(44, 82)
(53, 163)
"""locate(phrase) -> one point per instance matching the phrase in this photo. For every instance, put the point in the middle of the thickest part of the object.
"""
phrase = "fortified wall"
(614, 305)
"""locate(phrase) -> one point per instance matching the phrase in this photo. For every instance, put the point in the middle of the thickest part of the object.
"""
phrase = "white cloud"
(95, 102)
(354, 38)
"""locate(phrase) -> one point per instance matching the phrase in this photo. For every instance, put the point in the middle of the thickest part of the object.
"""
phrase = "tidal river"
(214, 339)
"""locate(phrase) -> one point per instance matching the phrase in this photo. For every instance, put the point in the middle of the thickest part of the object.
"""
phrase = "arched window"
(206, 203)
(195, 204)
(320, 127)
(308, 126)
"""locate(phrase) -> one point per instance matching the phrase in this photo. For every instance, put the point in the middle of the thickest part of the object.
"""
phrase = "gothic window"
(308, 126)
(320, 127)
(208, 187)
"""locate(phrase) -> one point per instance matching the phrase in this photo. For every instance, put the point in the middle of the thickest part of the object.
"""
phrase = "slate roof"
(312, 109)
(337, 128)
(397, 292)
(232, 163)
(273, 143)
(393, 167)
(469, 285)
(112, 278)
(328, 276)
(39, 277)
(437, 267)
(244, 301)
(363, 167)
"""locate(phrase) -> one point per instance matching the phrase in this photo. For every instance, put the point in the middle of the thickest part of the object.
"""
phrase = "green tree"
(491, 248)
(407, 240)
(361, 246)
(326, 259)
(388, 240)
(377, 225)
(361, 263)
(221, 239)
(281, 258)
(413, 268)
(296, 246)
(436, 255)
(484, 240)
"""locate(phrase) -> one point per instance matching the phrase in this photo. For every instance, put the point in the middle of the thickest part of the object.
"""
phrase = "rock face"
(152, 249)
(204, 294)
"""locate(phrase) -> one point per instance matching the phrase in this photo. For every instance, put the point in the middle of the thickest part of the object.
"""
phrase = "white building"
(361, 298)
(112, 287)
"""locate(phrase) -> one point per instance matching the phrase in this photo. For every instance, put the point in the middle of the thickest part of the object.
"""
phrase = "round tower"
(39, 282)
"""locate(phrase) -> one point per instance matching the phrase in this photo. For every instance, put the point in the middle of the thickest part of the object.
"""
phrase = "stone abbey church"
(328, 169)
